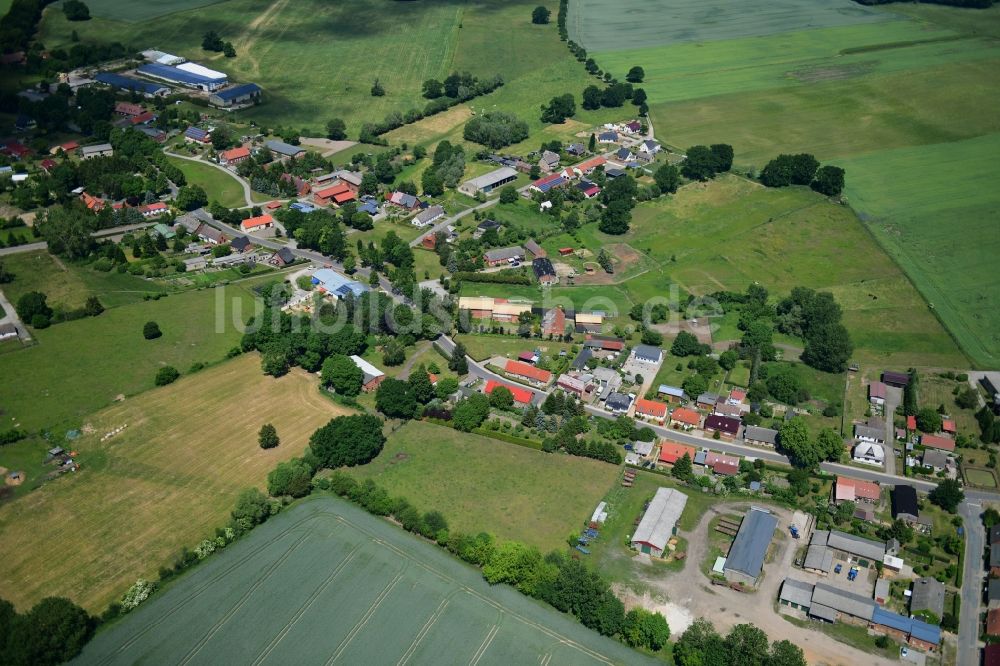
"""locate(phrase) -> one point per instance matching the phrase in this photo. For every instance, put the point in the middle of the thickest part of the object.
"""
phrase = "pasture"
(166, 481)
(599, 26)
(485, 485)
(934, 208)
(220, 187)
(80, 366)
(69, 285)
(142, 11)
(727, 233)
(327, 582)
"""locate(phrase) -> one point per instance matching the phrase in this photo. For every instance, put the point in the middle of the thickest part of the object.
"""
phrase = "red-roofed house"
(993, 622)
(604, 343)
(154, 209)
(92, 203)
(272, 205)
(258, 223)
(671, 452)
(938, 442)
(587, 166)
(911, 423)
(521, 395)
(128, 109)
(528, 372)
(143, 118)
(685, 418)
(876, 393)
(16, 149)
(852, 490)
(948, 426)
(234, 156)
(554, 322)
(563, 251)
(429, 242)
(338, 194)
(67, 148)
(737, 396)
(726, 467)
(651, 409)
(48, 165)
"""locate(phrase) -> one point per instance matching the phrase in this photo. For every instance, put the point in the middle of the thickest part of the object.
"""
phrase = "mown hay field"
(485, 485)
(80, 366)
(326, 582)
(164, 482)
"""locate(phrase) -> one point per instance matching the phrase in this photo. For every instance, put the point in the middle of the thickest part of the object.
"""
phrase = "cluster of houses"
(243, 251)
(871, 439)
(556, 321)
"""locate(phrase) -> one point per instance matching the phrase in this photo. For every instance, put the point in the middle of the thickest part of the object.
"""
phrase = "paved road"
(247, 191)
(28, 247)
(973, 580)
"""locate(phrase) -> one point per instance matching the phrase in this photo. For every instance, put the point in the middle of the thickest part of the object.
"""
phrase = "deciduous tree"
(348, 440)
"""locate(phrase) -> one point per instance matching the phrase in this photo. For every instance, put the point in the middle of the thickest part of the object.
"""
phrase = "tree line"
(803, 169)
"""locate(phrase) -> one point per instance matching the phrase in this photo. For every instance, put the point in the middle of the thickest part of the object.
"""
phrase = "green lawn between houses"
(485, 485)
(220, 187)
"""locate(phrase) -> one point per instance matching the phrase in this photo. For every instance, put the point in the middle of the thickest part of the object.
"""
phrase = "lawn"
(69, 285)
(81, 366)
(481, 347)
(219, 186)
(138, 11)
(165, 482)
(484, 485)
(729, 233)
(326, 581)
(983, 478)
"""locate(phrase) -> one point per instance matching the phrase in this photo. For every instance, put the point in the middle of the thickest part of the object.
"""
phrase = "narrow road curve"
(247, 191)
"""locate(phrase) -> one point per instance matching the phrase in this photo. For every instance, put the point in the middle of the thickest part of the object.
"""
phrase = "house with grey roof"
(796, 594)
(283, 149)
(937, 460)
(759, 436)
(549, 161)
(659, 522)
(870, 434)
(498, 256)
(427, 217)
(647, 354)
(841, 601)
(618, 403)
(746, 556)
(97, 150)
(609, 379)
(928, 595)
(849, 544)
(671, 393)
(188, 221)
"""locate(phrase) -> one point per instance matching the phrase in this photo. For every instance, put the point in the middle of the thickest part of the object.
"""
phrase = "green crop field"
(164, 482)
(603, 26)
(122, 10)
(80, 366)
(485, 485)
(935, 209)
(327, 582)
(220, 187)
(69, 285)
(901, 97)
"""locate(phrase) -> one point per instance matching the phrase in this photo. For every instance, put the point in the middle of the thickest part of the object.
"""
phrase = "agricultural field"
(69, 285)
(166, 481)
(899, 97)
(325, 582)
(220, 187)
(80, 366)
(133, 12)
(485, 485)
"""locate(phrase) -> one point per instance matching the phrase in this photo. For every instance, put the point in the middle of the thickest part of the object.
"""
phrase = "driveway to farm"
(247, 192)
(726, 608)
(10, 317)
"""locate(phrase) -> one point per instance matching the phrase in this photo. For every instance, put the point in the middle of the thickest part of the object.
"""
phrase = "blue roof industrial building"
(180, 77)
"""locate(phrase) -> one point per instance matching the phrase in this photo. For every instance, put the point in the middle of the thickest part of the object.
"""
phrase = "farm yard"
(485, 485)
(165, 482)
(61, 380)
(326, 581)
(899, 97)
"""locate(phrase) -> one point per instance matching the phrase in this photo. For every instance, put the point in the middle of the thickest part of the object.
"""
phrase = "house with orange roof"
(522, 396)
(853, 490)
(937, 442)
(911, 423)
(651, 409)
(587, 166)
(682, 417)
(671, 452)
(993, 622)
(528, 372)
(337, 194)
(234, 155)
(948, 426)
(67, 148)
(91, 202)
(258, 223)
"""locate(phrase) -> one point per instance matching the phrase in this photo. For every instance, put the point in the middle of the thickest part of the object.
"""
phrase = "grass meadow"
(80, 366)
(325, 581)
(167, 481)
(69, 285)
(485, 485)
(219, 186)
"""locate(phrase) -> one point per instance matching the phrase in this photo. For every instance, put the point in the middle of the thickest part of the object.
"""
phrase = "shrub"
(151, 330)
(166, 375)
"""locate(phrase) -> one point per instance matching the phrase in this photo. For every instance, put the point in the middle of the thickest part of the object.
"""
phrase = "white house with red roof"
(258, 223)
